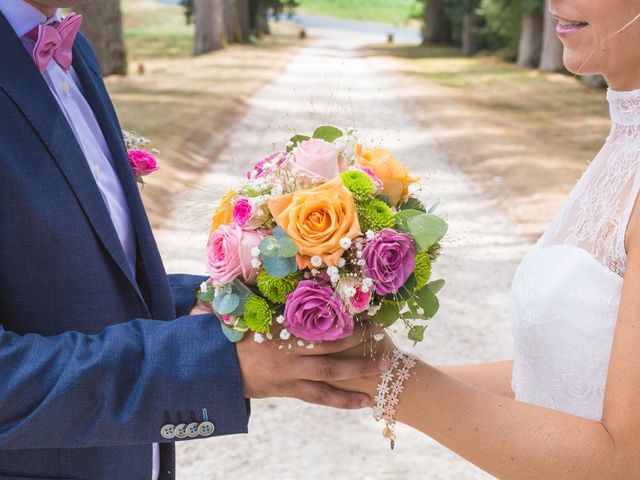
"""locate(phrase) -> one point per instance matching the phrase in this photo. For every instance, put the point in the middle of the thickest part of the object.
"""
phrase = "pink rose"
(259, 169)
(142, 162)
(229, 254)
(242, 212)
(360, 301)
(317, 157)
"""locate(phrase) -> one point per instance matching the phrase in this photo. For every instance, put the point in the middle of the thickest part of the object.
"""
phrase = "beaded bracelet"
(389, 389)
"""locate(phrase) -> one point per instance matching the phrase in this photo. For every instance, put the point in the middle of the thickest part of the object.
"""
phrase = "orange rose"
(394, 174)
(223, 215)
(317, 219)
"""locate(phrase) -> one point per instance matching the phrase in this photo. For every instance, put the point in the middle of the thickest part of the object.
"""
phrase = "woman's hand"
(375, 342)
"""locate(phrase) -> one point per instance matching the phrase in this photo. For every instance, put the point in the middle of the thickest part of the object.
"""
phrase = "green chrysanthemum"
(359, 184)
(276, 289)
(375, 215)
(258, 314)
(423, 269)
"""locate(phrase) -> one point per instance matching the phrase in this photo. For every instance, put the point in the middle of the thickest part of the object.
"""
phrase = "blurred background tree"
(102, 25)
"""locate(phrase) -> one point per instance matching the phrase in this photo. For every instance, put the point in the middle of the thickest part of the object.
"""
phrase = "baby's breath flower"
(284, 334)
(316, 261)
(255, 252)
(341, 262)
(345, 242)
(258, 338)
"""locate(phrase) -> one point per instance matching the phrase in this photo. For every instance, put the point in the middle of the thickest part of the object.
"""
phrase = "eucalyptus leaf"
(428, 301)
(287, 248)
(232, 335)
(427, 229)
(226, 303)
(278, 232)
(388, 314)
(295, 140)
(328, 133)
(269, 247)
(403, 217)
(436, 285)
(413, 204)
(205, 296)
(279, 266)
(416, 333)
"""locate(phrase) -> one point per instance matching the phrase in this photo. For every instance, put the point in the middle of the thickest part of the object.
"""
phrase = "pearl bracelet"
(389, 389)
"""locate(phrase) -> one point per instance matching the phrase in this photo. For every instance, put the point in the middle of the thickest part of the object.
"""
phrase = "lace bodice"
(566, 292)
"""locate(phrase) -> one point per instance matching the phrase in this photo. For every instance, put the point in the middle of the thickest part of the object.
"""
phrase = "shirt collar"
(24, 17)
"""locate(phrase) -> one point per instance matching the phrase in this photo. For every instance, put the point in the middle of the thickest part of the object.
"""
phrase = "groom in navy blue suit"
(105, 361)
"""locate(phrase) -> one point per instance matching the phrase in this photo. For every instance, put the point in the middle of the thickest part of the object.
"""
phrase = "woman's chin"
(580, 64)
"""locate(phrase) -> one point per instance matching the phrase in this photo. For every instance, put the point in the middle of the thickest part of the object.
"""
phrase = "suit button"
(168, 431)
(206, 428)
(181, 431)
(192, 430)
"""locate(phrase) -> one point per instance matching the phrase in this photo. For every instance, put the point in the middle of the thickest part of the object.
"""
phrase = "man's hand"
(201, 308)
(268, 371)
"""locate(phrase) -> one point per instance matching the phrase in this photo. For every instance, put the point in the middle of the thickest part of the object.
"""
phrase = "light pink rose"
(142, 162)
(360, 301)
(317, 157)
(229, 254)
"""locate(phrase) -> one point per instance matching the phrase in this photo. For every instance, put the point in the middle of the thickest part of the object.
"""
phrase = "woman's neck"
(626, 80)
(46, 10)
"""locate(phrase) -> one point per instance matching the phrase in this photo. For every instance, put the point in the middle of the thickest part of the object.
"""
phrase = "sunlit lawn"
(383, 11)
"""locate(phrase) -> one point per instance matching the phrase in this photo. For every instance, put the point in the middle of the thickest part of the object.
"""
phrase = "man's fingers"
(328, 369)
(359, 336)
(323, 394)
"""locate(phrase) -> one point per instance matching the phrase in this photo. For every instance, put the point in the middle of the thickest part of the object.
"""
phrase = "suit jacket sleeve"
(182, 287)
(118, 387)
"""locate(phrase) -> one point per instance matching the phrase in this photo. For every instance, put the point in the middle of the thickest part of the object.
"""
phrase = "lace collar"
(624, 107)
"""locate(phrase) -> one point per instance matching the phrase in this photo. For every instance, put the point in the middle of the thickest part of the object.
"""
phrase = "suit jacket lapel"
(156, 292)
(24, 84)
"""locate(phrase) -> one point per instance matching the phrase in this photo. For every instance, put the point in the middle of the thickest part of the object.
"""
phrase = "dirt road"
(329, 82)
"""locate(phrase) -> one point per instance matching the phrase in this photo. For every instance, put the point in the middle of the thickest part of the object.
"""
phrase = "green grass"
(397, 12)
(156, 31)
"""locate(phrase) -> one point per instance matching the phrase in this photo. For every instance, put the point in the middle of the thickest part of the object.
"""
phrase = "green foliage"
(258, 314)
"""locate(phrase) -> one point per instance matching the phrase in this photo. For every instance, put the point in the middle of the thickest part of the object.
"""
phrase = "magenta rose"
(259, 168)
(317, 158)
(142, 162)
(229, 254)
(390, 259)
(314, 312)
(242, 212)
(360, 301)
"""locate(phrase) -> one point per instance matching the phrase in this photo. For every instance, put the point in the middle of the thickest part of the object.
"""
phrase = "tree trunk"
(552, 49)
(210, 31)
(531, 39)
(259, 17)
(102, 24)
(231, 21)
(470, 39)
(435, 29)
(244, 22)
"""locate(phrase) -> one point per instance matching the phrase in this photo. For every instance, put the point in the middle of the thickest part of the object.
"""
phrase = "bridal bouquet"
(321, 237)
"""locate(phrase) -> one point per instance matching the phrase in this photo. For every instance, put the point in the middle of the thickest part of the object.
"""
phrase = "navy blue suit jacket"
(93, 361)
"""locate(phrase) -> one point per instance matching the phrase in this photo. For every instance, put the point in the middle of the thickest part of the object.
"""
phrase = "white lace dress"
(566, 292)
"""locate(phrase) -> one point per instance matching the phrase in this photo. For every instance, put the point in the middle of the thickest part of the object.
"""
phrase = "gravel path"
(329, 82)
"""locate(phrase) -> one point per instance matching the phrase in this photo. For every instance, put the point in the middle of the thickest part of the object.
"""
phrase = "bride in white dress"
(568, 406)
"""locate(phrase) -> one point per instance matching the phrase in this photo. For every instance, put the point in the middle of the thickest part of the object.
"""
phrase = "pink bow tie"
(55, 42)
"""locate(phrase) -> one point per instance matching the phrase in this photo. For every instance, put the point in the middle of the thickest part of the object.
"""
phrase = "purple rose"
(390, 260)
(314, 312)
